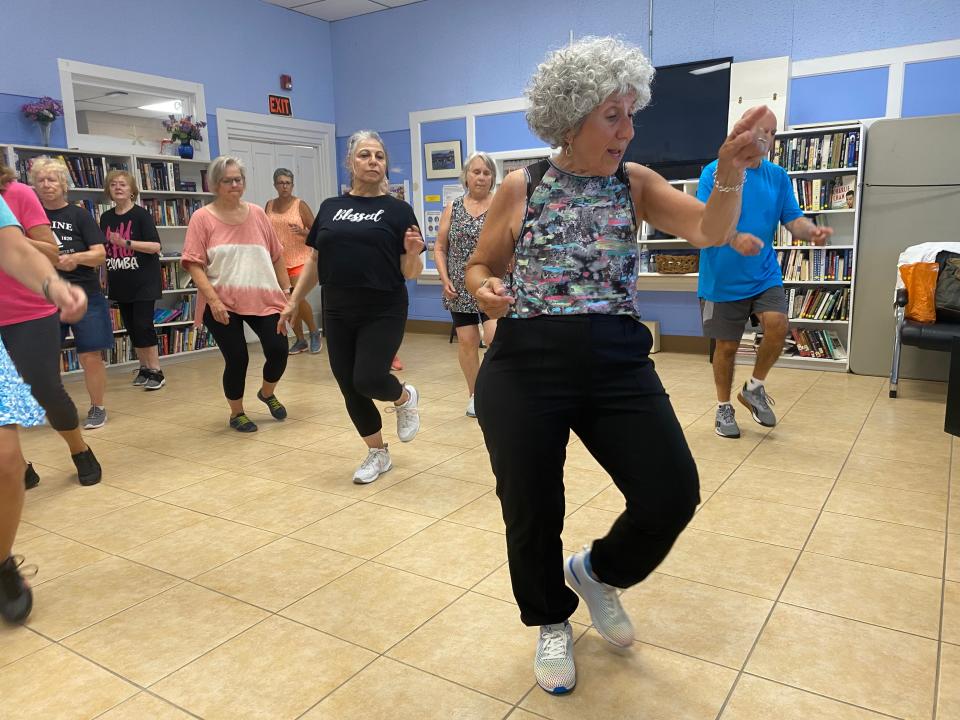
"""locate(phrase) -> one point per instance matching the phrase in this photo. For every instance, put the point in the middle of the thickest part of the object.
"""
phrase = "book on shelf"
(170, 341)
(816, 343)
(174, 277)
(831, 150)
(818, 303)
(83, 171)
(820, 264)
(171, 211)
(96, 209)
(842, 187)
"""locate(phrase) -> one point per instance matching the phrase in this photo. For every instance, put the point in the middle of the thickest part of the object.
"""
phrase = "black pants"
(233, 347)
(138, 320)
(364, 330)
(34, 347)
(592, 374)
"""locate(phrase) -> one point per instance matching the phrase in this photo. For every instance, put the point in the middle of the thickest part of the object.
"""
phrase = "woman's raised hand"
(741, 149)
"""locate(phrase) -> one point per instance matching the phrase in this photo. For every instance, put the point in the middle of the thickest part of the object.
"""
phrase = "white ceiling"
(338, 9)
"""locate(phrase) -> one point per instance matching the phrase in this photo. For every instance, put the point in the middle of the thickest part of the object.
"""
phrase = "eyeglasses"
(283, 183)
(231, 181)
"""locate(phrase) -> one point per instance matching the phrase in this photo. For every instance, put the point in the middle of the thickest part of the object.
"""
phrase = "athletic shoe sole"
(753, 413)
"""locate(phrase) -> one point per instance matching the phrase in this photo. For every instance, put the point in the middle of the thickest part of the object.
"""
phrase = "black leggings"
(138, 320)
(233, 347)
(34, 347)
(364, 330)
(545, 376)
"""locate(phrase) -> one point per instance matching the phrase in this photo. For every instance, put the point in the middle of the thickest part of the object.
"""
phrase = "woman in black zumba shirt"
(366, 244)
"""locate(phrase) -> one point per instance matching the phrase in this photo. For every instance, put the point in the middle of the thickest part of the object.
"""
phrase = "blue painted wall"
(931, 88)
(505, 131)
(854, 95)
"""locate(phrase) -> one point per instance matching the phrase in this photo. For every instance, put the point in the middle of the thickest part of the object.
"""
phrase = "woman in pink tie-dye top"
(236, 261)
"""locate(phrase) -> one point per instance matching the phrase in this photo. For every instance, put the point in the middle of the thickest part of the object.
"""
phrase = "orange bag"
(921, 281)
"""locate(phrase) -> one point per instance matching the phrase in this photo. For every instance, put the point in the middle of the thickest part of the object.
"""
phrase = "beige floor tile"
(134, 525)
(669, 612)
(201, 547)
(293, 433)
(277, 669)
(421, 455)
(497, 585)
(611, 500)
(286, 510)
(335, 475)
(82, 690)
(278, 574)
(462, 432)
(952, 571)
(924, 448)
(26, 531)
(86, 596)
(826, 461)
(52, 481)
(222, 492)
(779, 486)
(948, 694)
(55, 556)
(581, 485)
(433, 495)
(364, 529)
(156, 637)
(472, 466)
(394, 604)
(706, 445)
(143, 706)
(869, 593)
(713, 473)
(758, 699)
(758, 520)
(236, 454)
(579, 457)
(584, 526)
(645, 682)
(16, 642)
(951, 613)
(448, 552)
(160, 474)
(906, 507)
(74, 506)
(387, 688)
(483, 513)
(885, 472)
(825, 655)
(496, 660)
(879, 543)
(730, 562)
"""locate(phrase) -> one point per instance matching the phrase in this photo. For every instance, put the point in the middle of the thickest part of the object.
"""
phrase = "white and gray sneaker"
(96, 418)
(759, 404)
(606, 612)
(408, 417)
(373, 466)
(725, 424)
(553, 665)
(471, 408)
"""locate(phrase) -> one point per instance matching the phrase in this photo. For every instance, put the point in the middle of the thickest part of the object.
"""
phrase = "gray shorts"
(727, 320)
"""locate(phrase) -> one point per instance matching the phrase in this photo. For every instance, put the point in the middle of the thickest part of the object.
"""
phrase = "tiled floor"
(219, 576)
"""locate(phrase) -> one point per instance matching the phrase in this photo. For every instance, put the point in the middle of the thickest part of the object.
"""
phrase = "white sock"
(753, 383)
(720, 405)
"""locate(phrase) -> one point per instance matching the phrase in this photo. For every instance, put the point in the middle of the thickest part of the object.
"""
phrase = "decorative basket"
(677, 264)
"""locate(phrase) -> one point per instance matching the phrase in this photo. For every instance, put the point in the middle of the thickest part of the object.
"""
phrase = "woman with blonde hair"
(133, 272)
(460, 226)
(236, 261)
(81, 253)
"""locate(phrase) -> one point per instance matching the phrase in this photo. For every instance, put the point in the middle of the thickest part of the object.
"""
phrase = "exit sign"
(280, 105)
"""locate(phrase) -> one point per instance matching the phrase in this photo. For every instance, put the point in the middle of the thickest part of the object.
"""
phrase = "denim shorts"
(93, 331)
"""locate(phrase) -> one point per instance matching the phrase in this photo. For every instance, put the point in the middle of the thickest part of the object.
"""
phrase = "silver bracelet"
(730, 188)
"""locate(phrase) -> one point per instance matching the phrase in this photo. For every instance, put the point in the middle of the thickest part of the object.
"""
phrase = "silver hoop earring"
(567, 151)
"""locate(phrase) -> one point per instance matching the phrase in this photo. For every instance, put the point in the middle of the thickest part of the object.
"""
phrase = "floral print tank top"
(577, 251)
(461, 241)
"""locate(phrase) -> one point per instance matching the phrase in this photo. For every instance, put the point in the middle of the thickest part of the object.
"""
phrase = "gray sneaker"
(141, 378)
(298, 347)
(726, 422)
(316, 342)
(759, 404)
(96, 418)
(155, 380)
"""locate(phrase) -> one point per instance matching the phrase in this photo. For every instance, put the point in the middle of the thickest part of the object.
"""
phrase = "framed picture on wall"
(442, 159)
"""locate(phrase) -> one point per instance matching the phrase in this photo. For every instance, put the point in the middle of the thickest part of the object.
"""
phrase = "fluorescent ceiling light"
(710, 69)
(167, 106)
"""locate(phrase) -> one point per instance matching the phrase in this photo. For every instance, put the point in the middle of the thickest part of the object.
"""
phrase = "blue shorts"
(93, 331)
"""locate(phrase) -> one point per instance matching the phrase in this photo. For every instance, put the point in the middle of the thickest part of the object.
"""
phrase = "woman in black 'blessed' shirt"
(133, 272)
(366, 245)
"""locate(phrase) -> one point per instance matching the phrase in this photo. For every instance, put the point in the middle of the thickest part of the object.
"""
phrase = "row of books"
(818, 304)
(818, 264)
(95, 208)
(830, 150)
(174, 211)
(83, 171)
(784, 238)
(826, 194)
(818, 343)
(181, 311)
(158, 175)
(170, 341)
(174, 277)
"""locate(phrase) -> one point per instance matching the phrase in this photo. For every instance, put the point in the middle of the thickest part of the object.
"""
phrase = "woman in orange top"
(292, 220)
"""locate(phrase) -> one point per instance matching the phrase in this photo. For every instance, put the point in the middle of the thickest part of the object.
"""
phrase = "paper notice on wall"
(431, 198)
(451, 193)
(431, 224)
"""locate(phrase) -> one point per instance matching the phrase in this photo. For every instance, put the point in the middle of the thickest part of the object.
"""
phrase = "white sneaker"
(408, 417)
(553, 665)
(606, 612)
(471, 412)
(373, 466)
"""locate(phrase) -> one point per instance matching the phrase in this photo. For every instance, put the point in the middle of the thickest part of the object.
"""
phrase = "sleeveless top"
(295, 250)
(577, 249)
(461, 241)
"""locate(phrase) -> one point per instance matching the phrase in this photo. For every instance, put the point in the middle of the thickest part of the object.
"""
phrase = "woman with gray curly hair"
(570, 352)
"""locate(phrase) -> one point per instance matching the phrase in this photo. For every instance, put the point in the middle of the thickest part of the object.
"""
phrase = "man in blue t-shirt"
(733, 286)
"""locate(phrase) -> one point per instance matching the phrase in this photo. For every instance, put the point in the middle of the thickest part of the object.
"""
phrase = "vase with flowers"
(43, 112)
(184, 131)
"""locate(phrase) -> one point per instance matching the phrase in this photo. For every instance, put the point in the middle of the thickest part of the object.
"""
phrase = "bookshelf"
(171, 189)
(656, 243)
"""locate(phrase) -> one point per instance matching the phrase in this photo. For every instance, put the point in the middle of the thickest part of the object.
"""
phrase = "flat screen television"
(685, 123)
